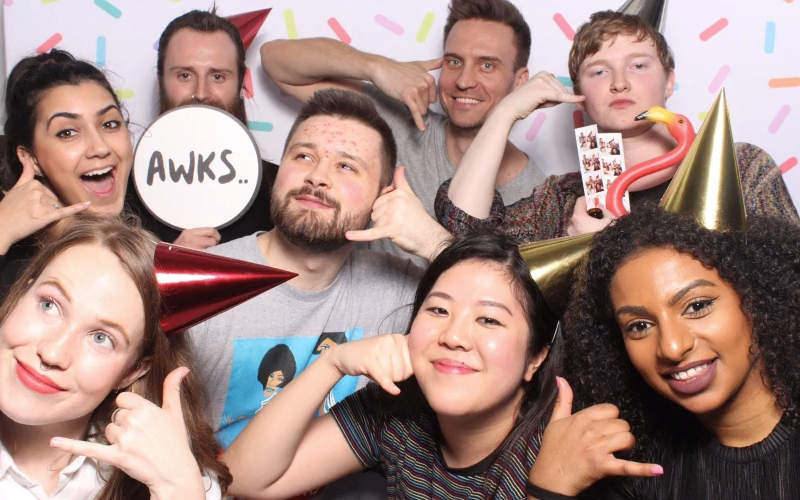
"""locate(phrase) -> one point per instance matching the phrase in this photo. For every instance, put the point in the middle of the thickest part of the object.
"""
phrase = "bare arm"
(331, 63)
(472, 187)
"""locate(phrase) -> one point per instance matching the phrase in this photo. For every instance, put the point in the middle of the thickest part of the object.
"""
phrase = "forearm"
(322, 59)
(264, 450)
(472, 186)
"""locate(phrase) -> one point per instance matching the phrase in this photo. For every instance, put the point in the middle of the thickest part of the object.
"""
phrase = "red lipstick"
(35, 381)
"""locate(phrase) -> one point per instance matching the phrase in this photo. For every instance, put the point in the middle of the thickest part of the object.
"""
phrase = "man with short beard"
(339, 155)
(201, 60)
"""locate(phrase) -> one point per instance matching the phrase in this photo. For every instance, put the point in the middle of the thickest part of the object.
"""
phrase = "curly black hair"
(761, 263)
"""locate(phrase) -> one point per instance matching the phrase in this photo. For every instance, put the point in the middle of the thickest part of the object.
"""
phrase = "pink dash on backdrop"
(779, 118)
(788, 164)
(538, 121)
(564, 26)
(340, 32)
(247, 84)
(49, 43)
(389, 24)
(718, 80)
(713, 29)
(577, 118)
(8, 3)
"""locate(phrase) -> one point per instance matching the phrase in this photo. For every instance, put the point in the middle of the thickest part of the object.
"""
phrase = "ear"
(535, 363)
(520, 77)
(670, 88)
(28, 160)
(136, 372)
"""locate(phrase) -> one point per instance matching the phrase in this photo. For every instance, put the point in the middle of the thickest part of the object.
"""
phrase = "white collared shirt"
(79, 480)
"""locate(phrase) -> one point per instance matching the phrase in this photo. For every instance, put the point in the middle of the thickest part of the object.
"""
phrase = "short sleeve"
(360, 424)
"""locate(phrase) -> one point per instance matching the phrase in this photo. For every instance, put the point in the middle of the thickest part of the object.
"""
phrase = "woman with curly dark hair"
(694, 335)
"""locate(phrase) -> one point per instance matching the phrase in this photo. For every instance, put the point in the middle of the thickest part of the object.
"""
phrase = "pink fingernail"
(658, 470)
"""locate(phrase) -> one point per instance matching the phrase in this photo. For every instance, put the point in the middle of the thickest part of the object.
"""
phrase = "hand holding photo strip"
(590, 169)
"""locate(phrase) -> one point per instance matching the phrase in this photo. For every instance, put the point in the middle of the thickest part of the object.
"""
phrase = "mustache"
(316, 193)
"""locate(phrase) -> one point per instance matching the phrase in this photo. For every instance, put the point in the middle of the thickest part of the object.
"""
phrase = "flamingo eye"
(680, 121)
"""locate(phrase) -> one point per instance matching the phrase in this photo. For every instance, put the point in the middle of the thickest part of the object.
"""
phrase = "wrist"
(539, 493)
(373, 65)
(189, 487)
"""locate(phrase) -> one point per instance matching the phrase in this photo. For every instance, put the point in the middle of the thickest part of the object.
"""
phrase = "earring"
(44, 366)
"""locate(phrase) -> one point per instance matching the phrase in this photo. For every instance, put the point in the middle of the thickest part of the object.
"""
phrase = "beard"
(311, 230)
(234, 107)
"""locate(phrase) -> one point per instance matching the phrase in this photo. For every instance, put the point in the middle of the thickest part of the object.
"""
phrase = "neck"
(470, 439)
(645, 144)
(29, 445)
(749, 417)
(316, 270)
(458, 140)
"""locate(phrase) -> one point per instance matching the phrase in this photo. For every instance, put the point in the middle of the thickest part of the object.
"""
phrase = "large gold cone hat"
(552, 264)
(707, 183)
(652, 11)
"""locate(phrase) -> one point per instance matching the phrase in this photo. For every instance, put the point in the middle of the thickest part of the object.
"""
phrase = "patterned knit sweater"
(546, 213)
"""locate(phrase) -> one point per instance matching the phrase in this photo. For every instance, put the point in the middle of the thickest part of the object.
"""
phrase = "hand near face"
(541, 91)
(578, 450)
(28, 207)
(399, 215)
(198, 238)
(582, 223)
(149, 443)
(410, 83)
(383, 358)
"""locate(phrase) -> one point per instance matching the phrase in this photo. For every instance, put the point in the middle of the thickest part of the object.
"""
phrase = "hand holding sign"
(28, 207)
(198, 238)
(399, 215)
(149, 443)
(578, 450)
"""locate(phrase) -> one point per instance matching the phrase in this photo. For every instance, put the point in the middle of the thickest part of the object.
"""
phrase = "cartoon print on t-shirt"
(277, 369)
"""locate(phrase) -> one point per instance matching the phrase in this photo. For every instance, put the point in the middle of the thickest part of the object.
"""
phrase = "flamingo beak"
(658, 114)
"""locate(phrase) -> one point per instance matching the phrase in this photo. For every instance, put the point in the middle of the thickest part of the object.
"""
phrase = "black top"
(705, 468)
(257, 217)
(13, 261)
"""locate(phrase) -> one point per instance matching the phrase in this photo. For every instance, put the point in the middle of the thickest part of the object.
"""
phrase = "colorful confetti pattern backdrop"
(748, 47)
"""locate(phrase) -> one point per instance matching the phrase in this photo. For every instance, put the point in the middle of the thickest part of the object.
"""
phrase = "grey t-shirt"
(424, 154)
(245, 355)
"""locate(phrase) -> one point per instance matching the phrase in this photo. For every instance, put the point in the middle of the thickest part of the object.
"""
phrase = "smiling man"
(486, 49)
(201, 60)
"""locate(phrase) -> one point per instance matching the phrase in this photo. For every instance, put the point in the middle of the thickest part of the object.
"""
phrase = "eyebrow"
(482, 58)
(105, 322)
(492, 303)
(354, 158)
(191, 68)
(301, 145)
(628, 57)
(75, 116)
(642, 311)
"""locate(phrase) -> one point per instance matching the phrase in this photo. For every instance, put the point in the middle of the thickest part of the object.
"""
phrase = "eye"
(437, 311)
(487, 66)
(183, 76)
(103, 339)
(218, 77)
(637, 329)
(346, 166)
(66, 134)
(112, 124)
(698, 307)
(302, 156)
(49, 306)
(640, 65)
(453, 63)
(486, 321)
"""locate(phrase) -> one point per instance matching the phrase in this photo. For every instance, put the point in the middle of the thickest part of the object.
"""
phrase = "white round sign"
(197, 166)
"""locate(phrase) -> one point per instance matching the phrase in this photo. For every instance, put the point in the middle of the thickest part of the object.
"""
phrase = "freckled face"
(328, 179)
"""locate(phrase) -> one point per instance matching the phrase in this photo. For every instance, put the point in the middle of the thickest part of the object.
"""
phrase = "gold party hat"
(707, 184)
(552, 265)
(652, 11)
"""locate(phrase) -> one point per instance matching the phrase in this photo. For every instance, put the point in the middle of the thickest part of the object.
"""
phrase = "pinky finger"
(60, 213)
(620, 467)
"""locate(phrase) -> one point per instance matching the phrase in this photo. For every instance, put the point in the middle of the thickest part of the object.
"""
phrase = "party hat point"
(707, 184)
(652, 11)
(552, 265)
(197, 285)
(248, 24)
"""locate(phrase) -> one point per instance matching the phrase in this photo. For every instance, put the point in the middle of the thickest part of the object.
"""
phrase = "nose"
(619, 83)
(55, 348)
(675, 342)
(98, 147)
(457, 334)
(201, 91)
(466, 79)
(319, 174)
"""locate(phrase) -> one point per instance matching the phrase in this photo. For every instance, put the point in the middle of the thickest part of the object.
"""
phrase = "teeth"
(467, 100)
(102, 171)
(690, 373)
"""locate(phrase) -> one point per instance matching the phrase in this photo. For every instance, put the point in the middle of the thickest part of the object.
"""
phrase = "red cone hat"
(197, 285)
(248, 24)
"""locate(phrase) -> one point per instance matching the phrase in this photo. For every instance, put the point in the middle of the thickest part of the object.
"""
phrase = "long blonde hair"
(134, 247)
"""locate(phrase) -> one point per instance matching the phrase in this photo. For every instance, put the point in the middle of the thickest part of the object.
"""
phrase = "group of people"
(413, 356)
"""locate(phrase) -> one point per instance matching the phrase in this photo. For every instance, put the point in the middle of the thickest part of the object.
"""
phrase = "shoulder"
(383, 264)
(245, 248)
(753, 161)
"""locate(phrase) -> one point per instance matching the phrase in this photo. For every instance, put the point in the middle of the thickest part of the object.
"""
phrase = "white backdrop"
(750, 47)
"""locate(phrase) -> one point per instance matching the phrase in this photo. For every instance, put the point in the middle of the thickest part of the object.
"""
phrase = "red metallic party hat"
(248, 24)
(197, 285)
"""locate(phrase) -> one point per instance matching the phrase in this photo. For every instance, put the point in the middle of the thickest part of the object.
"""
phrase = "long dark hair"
(541, 392)
(134, 248)
(762, 264)
(28, 82)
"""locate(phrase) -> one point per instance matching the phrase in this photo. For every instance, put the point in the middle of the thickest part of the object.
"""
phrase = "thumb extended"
(563, 406)
(400, 181)
(172, 391)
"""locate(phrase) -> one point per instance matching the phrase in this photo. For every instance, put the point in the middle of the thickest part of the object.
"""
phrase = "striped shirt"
(408, 450)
